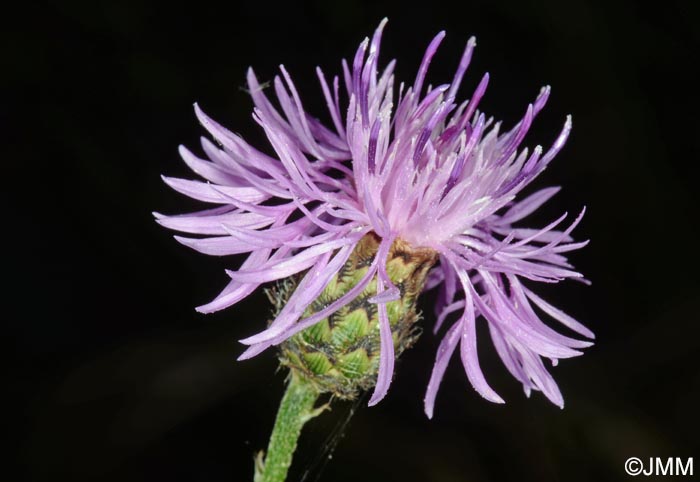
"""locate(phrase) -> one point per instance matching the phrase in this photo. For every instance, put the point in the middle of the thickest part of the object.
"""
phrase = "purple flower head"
(422, 167)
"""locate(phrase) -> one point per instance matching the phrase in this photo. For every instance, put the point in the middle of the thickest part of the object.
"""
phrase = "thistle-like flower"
(358, 217)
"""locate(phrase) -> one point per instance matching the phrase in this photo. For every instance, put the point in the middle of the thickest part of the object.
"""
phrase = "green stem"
(296, 408)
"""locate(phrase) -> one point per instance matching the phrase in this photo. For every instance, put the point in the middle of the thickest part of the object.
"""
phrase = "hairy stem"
(296, 408)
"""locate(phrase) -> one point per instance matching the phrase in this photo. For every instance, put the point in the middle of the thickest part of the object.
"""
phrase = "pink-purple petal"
(425, 168)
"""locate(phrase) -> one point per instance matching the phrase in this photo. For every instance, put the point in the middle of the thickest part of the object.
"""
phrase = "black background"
(114, 376)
